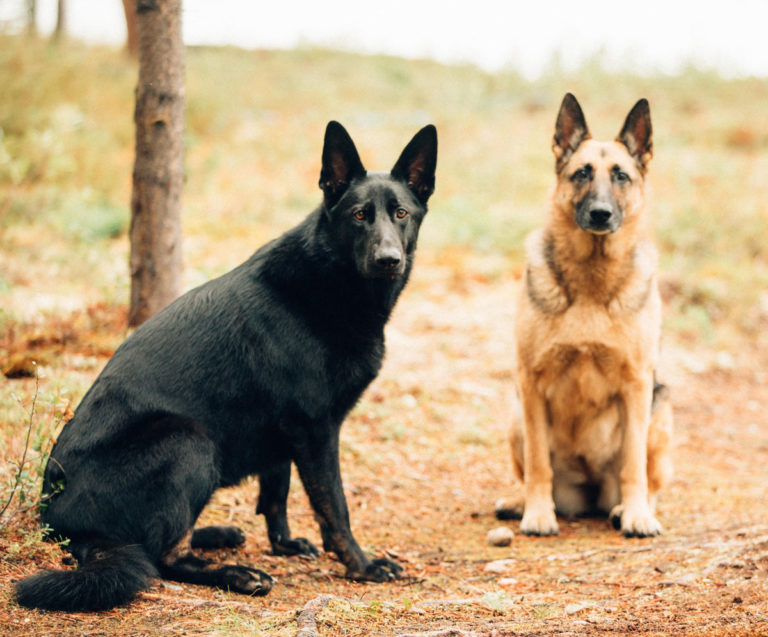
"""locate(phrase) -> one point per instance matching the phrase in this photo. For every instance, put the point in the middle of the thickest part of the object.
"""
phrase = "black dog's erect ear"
(636, 133)
(417, 163)
(341, 163)
(570, 130)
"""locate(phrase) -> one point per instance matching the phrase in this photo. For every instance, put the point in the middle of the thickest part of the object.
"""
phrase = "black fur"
(244, 375)
(105, 579)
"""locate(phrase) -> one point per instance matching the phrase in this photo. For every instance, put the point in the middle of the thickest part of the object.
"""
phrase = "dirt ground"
(425, 457)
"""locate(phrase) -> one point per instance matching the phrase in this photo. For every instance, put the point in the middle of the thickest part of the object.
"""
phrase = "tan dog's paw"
(509, 509)
(539, 522)
(635, 522)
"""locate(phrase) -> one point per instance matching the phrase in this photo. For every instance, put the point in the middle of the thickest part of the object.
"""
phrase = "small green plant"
(25, 541)
(21, 481)
(542, 611)
(83, 217)
(24, 483)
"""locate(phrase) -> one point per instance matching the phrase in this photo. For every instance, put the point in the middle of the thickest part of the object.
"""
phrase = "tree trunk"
(158, 173)
(132, 39)
(31, 17)
(61, 20)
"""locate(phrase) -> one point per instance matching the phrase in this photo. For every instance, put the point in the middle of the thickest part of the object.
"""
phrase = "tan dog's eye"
(581, 175)
(621, 177)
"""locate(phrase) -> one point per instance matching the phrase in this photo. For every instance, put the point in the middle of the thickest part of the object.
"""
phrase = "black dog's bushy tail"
(110, 577)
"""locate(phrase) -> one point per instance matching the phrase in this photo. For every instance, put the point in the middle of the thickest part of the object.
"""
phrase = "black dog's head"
(374, 218)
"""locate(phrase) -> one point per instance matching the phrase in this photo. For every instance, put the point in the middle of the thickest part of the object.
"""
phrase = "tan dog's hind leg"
(507, 508)
(659, 448)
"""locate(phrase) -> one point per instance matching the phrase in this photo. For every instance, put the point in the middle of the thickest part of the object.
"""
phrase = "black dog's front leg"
(317, 459)
(273, 496)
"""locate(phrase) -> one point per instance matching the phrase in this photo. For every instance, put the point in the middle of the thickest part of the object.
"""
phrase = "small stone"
(725, 360)
(686, 580)
(577, 607)
(409, 401)
(500, 536)
(169, 586)
(500, 566)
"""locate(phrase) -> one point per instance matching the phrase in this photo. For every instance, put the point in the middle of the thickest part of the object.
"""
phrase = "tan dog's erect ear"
(570, 131)
(636, 133)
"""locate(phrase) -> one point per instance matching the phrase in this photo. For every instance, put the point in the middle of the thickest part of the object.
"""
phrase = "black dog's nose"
(599, 216)
(388, 258)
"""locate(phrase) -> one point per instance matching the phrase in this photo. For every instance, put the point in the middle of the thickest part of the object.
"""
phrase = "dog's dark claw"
(379, 570)
(296, 546)
(244, 579)
(217, 537)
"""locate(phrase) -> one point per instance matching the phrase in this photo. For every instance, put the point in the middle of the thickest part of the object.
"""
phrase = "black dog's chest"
(351, 374)
(335, 378)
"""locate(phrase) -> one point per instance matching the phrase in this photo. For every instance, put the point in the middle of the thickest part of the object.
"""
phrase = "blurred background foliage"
(255, 121)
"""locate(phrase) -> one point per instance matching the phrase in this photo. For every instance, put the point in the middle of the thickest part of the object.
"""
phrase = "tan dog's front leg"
(637, 519)
(539, 516)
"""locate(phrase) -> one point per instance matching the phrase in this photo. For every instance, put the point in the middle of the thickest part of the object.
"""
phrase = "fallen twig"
(307, 619)
(204, 603)
(444, 632)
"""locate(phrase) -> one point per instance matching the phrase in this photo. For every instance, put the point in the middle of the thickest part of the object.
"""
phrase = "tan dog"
(595, 432)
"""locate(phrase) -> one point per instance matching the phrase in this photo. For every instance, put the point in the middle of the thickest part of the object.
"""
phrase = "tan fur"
(587, 332)
(178, 551)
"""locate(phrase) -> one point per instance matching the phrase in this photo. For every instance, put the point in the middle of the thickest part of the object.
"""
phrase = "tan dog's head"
(601, 182)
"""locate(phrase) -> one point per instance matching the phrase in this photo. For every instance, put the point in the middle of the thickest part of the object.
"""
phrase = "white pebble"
(500, 536)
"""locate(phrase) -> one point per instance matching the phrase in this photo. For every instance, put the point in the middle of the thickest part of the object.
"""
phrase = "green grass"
(255, 122)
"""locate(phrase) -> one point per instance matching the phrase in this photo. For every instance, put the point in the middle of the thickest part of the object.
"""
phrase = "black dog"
(241, 376)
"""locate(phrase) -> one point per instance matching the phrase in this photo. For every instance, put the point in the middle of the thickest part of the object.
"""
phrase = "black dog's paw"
(217, 537)
(244, 579)
(295, 546)
(378, 570)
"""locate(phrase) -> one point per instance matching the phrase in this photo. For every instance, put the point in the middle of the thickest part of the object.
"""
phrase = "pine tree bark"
(158, 173)
(61, 20)
(132, 38)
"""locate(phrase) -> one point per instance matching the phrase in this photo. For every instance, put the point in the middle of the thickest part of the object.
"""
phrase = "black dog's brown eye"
(401, 213)
(359, 215)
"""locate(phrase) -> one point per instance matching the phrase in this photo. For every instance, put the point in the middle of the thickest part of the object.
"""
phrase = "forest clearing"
(424, 455)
